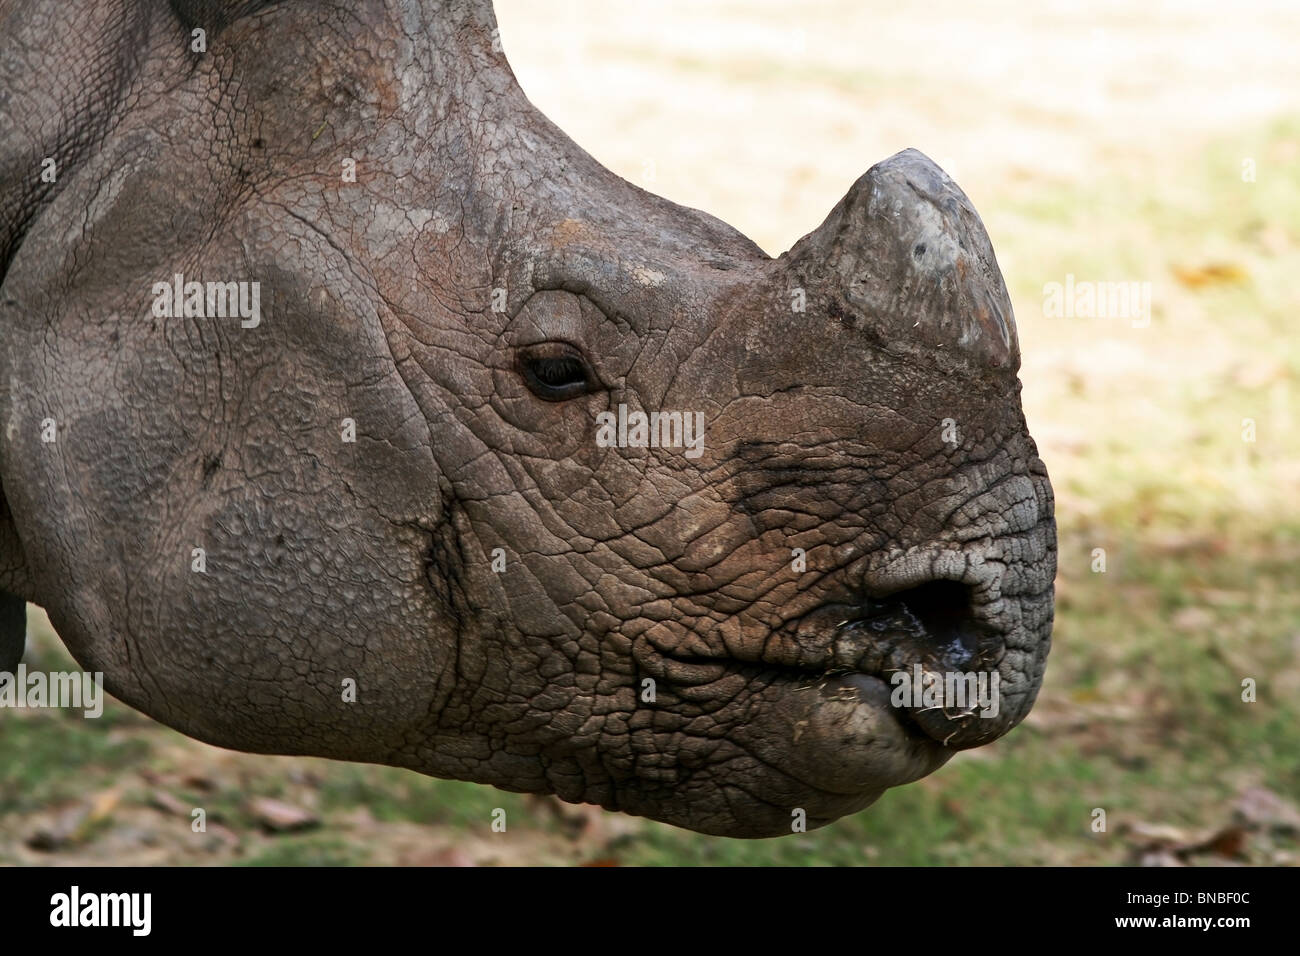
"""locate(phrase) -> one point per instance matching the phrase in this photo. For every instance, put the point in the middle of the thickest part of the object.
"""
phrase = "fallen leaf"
(1155, 834)
(103, 804)
(1159, 858)
(198, 781)
(1229, 842)
(1212, 273)
(1263, 808)
(276, 816)
(57, 833)
(449, 856)
(168, 803)
(1192, 619)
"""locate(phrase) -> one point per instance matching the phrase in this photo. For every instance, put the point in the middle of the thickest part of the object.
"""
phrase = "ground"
(1097, 141)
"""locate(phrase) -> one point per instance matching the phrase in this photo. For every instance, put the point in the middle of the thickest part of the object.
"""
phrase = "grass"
(393, 795)
(310, 851)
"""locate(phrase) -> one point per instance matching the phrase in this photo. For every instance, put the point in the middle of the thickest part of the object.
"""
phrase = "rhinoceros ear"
(904, 256)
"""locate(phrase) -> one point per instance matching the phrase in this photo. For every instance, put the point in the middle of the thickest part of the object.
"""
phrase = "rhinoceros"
(351, 409)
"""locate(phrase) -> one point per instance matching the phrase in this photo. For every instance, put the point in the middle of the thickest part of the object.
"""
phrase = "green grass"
(310, 851)
(394, 795)
(50, 758)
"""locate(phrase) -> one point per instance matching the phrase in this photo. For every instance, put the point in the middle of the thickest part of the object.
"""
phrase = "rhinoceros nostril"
(947, 625)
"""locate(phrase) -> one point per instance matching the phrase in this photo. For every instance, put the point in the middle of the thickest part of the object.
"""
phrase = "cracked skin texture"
(372, 560)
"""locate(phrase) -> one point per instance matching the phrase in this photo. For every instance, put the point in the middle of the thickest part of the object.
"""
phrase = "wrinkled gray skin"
(329, 560)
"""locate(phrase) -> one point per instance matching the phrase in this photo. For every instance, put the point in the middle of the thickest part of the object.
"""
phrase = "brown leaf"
(103, 804)
(1263, 808)
(1159, 858)
(1155, 844)
(75, 824)
(198, 781)
(221, 838)
(1153, 835)
(168, 803)
(448, 856)
(1192, 620)
(58, 832)
(1211, 273)
(276, 816)
(1229, 842)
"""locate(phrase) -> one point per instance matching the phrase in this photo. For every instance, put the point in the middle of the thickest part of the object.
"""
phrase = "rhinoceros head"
(351, 409)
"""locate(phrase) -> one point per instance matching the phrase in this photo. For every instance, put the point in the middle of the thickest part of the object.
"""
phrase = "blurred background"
(1103, 141)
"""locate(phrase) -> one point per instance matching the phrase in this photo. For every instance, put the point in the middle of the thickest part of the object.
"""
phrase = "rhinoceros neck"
(420, 96)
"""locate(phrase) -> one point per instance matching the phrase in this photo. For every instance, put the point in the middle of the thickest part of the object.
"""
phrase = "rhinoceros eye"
(555, 371)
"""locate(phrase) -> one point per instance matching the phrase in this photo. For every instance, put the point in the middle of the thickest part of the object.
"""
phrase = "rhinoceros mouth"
(936, 620)
(929, 655)
(932, 647)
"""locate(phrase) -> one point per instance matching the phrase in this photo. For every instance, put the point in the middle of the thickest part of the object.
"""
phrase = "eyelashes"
(555, 371)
